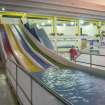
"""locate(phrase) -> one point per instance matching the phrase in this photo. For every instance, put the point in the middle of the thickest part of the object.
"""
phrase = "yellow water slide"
(25, 61)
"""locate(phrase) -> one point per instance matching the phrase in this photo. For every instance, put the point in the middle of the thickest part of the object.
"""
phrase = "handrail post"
(90, 60)
(16, 81)
(31, 90)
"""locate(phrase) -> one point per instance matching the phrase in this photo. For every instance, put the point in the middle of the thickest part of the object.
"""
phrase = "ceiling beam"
(48, 8)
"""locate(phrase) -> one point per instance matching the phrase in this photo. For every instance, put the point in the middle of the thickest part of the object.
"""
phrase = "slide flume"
(26, 62)
(44, 64)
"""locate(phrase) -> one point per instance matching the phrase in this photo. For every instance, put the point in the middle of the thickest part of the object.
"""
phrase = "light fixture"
(49, 21)
(3, 9)
(72, 23)
(64, 24)
(24, 14)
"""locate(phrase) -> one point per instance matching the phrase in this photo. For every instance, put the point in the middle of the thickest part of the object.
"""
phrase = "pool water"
(78, 87)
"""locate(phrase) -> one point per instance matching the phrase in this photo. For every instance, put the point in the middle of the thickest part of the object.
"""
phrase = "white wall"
(67, 30)
(90, 30)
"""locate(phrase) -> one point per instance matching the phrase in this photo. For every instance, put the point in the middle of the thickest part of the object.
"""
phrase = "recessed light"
(64, 24)
(3, 9)
(72, 23)
(49, 21)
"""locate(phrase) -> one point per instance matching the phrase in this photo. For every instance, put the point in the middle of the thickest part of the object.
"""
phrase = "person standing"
(73, 53)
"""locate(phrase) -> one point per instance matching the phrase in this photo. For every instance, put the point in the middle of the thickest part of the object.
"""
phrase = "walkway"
(6, 97)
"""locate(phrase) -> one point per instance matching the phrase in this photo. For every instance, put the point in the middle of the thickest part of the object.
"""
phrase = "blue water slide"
(34, 56)
(40, 35)
(32, 31)
(43, 36)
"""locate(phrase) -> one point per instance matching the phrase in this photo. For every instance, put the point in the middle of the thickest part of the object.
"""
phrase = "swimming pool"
(76, 86)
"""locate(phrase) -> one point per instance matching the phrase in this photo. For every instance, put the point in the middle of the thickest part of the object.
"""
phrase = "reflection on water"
(76, 86)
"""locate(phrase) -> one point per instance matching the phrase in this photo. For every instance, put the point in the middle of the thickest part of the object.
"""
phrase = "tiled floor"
(6, 97)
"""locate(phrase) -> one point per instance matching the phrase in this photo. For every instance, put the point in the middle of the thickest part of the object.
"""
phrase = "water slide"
(32, 31)
(37, 53)
(40, 34)
(77, 87)
(45, 38)
(5, 46)
(47, 53)
(43, 35)
(27, 57)
(20, 54)
(28, 49)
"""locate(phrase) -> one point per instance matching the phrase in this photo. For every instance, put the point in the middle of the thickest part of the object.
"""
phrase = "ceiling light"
(64, 24)
(49, 21)
(3, 9)
(72, 23)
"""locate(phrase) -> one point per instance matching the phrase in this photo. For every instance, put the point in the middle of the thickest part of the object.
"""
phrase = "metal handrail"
(91, 64)
(37, 80)
(92, 54)
(82, 53)
(90, 58)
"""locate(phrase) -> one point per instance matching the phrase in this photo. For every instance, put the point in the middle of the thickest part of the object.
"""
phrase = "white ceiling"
(100, 2)
(69, 8)
(98, 5)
